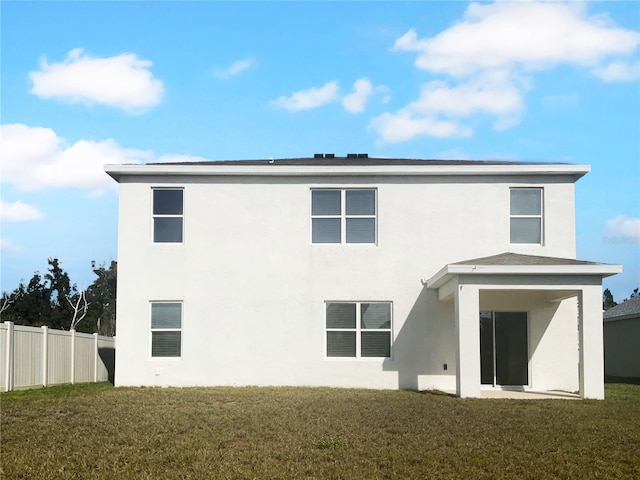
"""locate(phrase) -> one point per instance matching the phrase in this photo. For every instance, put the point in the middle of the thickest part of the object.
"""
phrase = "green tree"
(101, 296)
(634, 294)
(54, 301)
(44, 301)
(61, 288)
(29, 304)
(607, 300)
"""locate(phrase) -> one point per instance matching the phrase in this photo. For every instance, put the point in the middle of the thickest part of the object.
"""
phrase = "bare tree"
(6, 303)
(80, 308)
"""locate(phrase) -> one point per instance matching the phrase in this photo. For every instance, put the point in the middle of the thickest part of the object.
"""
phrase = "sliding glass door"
(504, 353)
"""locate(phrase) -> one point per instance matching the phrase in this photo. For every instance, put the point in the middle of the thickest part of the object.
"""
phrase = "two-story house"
(356, 272)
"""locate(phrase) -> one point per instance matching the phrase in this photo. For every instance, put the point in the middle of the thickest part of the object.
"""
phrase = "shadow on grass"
(436, 393)
(625, 380)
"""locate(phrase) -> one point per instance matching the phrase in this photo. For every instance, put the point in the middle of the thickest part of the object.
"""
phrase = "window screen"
(166, 329)
(526, 215)
(167, 215)
(343, 216)
(358, 329)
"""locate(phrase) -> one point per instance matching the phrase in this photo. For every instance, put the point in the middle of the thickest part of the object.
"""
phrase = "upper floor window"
(166, 329)
(358, 329)
(526, 215)
(345, 215)
(167, 215)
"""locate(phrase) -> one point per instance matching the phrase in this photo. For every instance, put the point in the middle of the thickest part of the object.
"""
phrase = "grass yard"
(97, 431)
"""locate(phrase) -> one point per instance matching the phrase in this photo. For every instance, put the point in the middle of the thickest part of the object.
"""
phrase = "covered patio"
(527, 323)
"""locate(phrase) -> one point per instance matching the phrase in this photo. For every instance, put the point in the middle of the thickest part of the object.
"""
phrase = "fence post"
(9, 358)
(73, 356)
(45, 355)
(95, 358)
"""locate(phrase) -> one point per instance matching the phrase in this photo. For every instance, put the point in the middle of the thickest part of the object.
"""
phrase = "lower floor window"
(166, 329)
(358, 329)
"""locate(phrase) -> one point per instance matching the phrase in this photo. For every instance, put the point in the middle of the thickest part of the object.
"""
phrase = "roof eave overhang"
(630, 316)
(451, 271)
(119, 171)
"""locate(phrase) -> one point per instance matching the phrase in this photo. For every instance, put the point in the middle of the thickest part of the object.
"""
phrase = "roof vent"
(363, 155)
(352, 155)
(318, 155)
(329, 155)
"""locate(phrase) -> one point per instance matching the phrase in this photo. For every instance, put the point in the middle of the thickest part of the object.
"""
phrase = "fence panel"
(84, 364)
(27, 356)
(32, 357)
(3, 354)
(59, 357)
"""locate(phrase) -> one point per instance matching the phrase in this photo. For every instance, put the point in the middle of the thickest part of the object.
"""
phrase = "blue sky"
(88, 83)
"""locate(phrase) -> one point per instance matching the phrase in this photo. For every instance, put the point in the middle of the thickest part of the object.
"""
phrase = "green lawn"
(97, 431)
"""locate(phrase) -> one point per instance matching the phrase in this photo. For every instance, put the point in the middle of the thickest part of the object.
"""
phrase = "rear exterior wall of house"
(252, 290)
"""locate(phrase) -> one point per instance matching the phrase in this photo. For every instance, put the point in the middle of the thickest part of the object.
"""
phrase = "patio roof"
(518, 264)
(526, 283)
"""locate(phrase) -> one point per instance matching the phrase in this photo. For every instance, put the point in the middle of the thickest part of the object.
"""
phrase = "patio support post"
(467, 311)
(591, 342)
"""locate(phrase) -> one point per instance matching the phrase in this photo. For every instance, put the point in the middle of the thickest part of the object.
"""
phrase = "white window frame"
(540, 216)
(152, 330)
(164, 215)
(343, 215)
(359, 330)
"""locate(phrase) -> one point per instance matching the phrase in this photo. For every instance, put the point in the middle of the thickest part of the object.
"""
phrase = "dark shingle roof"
(629, 308)
(350, 161)
(519, 259)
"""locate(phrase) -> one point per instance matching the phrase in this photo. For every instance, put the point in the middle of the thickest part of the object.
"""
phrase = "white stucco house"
(356, 272)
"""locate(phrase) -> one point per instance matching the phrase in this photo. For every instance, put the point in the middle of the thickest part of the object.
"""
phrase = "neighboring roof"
(351, 165)
(627, 309)
(518, 264)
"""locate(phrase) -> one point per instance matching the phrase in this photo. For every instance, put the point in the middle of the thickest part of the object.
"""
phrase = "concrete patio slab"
(526, 394)
(529, 394)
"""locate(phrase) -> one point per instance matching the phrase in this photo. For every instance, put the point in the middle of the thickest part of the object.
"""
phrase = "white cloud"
(489, 56)
(355, 102)
(439, 109)
(530, 35)
(561, 100)
(234, 69)
(628, 228)
(34, 158)
(405, 125)
(618, 72)
(19, 212)
(7, 245)
(308, 99)
(491, 92)
(123, 81)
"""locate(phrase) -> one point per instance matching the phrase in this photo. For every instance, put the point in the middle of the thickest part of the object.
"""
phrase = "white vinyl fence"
(39, 356)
